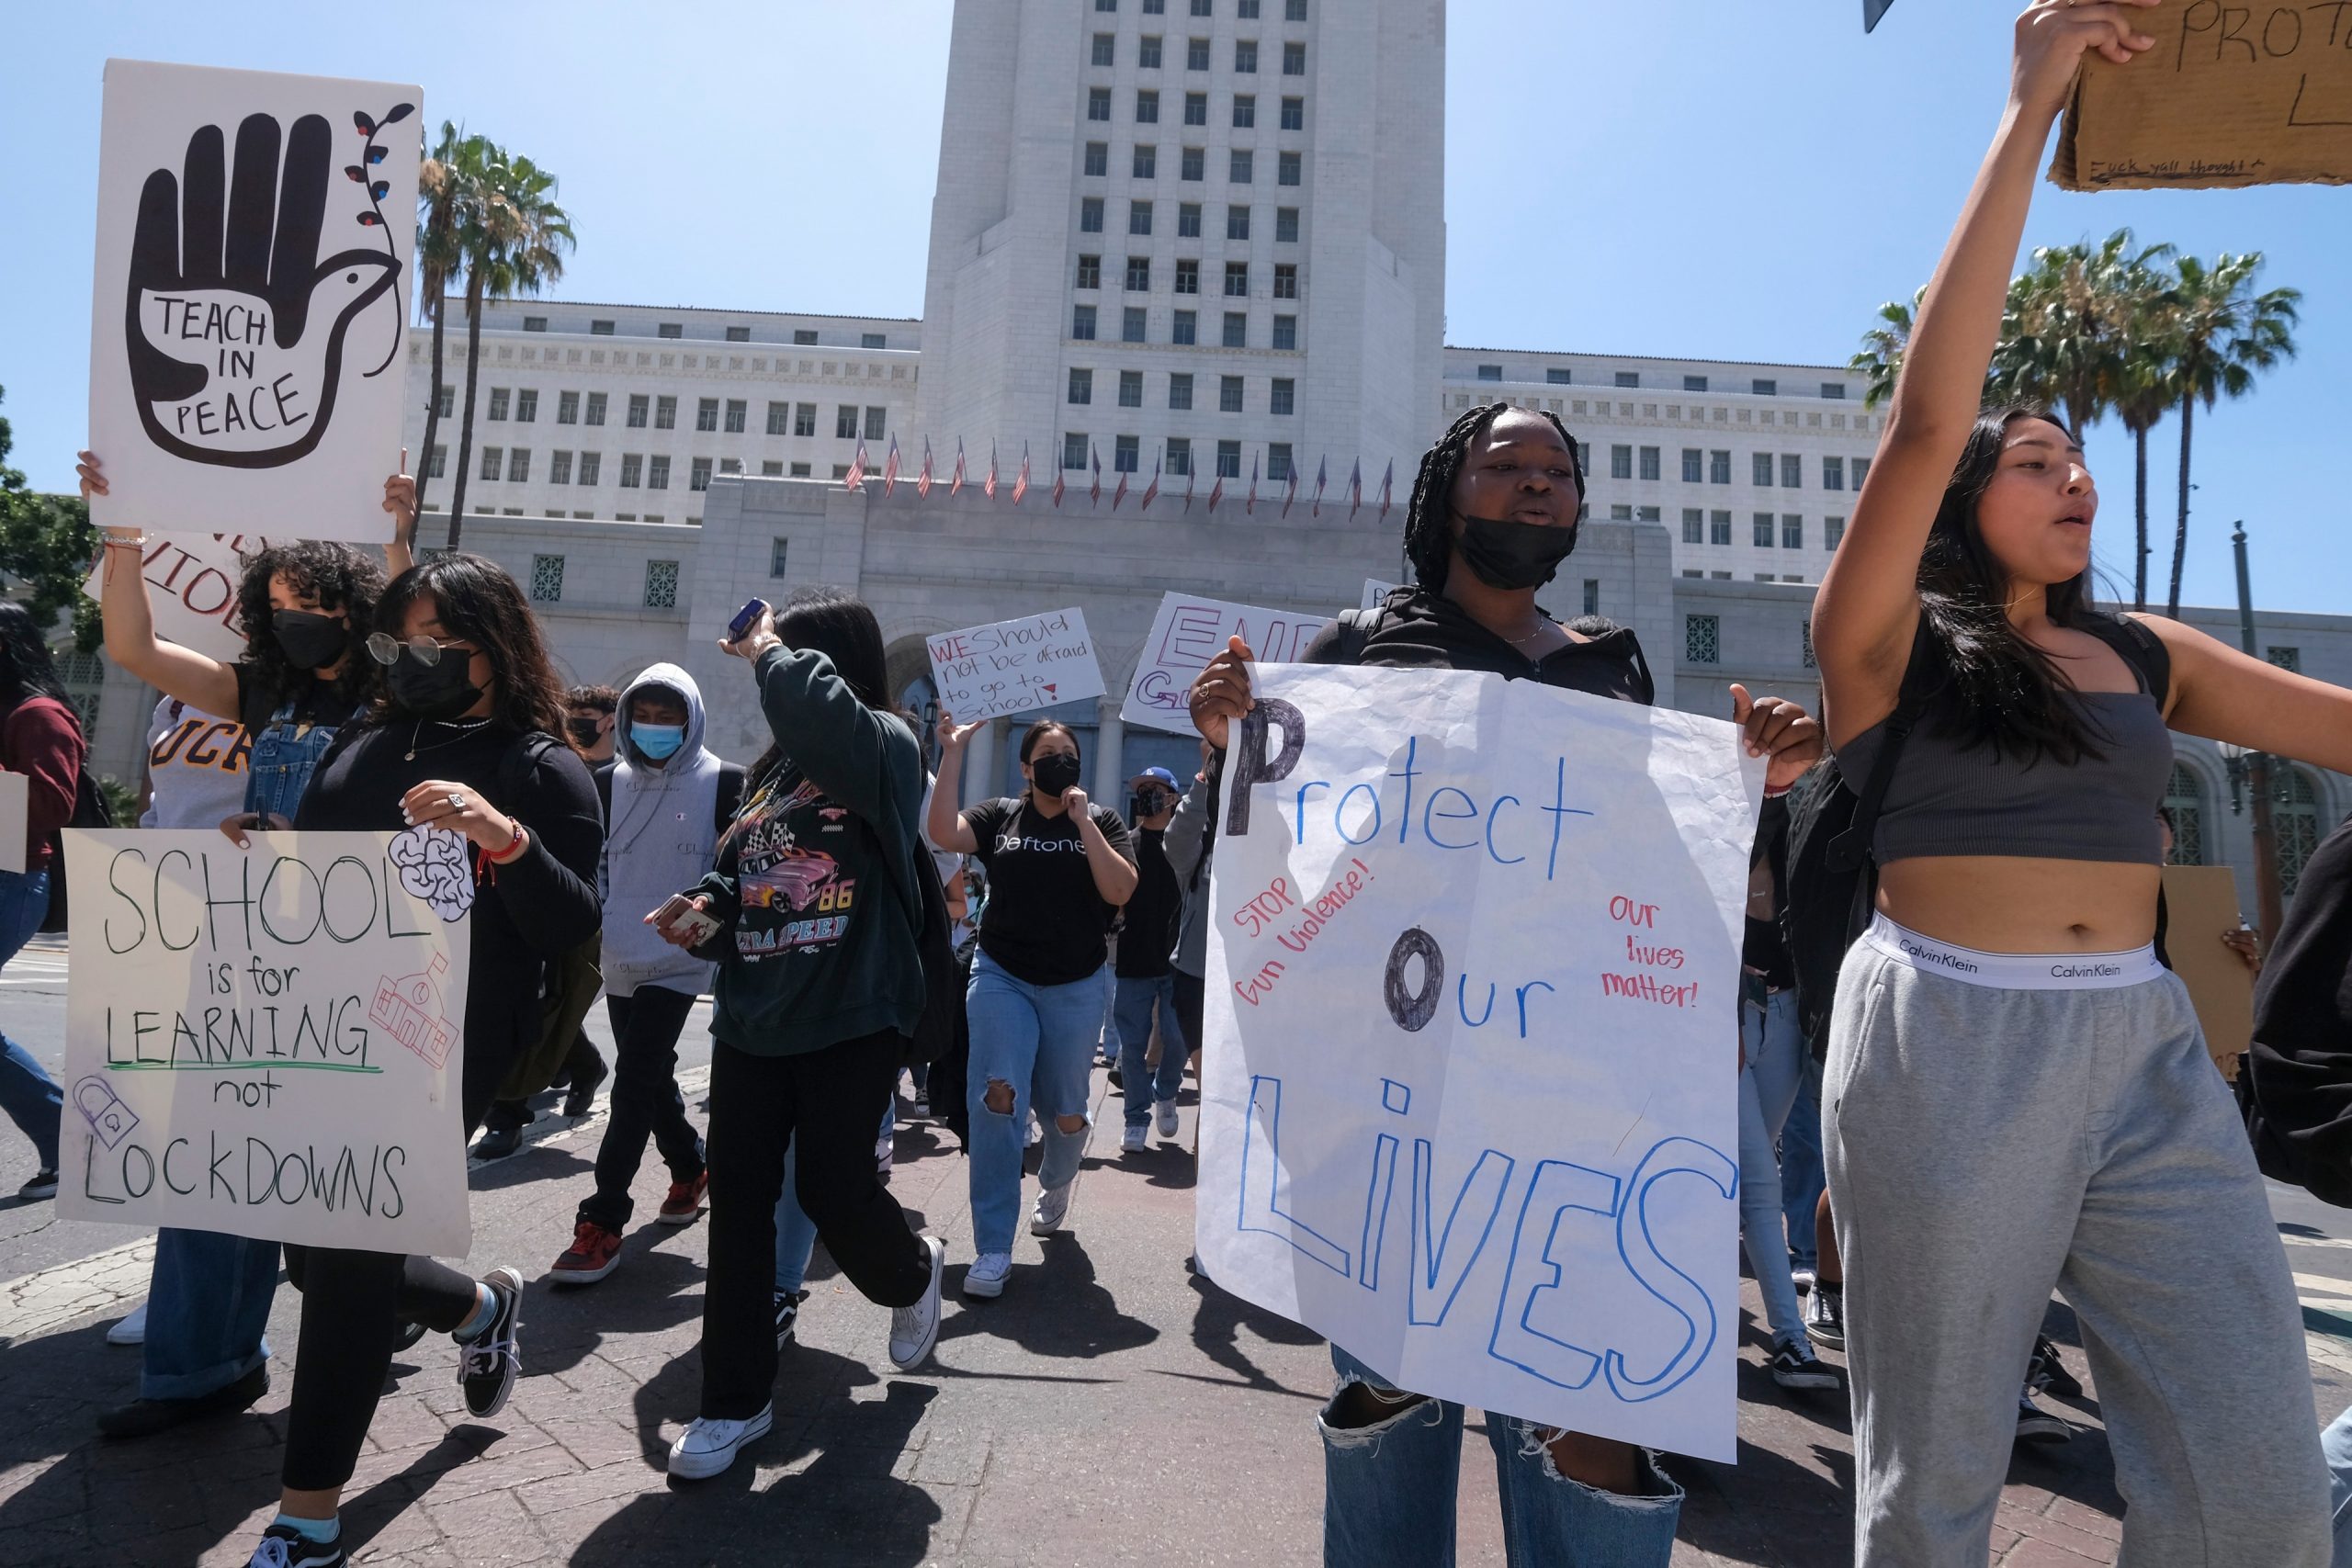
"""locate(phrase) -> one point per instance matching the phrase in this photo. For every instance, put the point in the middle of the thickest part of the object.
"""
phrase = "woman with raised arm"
(2018, 1096)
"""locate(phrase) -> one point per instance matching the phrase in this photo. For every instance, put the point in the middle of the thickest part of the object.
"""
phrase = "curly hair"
(336, 577)
(476, 600)
(1429, 516)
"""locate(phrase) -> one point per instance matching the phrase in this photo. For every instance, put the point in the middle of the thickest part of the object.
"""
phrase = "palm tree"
(2223, 333)
(448, 184)
(2141, 399)
(2072, 320)
(1884, 347)
(513, 244)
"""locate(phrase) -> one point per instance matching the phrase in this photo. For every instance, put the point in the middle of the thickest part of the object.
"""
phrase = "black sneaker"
(146, 1417)
(43, 1185)
(580, 1097)
(788, 1314)
(2045, 1373)
(2036, 1424)
(285, 1548)
(1824, 1314)
(1794, 1366)
(497, 1143)
(489, 1363)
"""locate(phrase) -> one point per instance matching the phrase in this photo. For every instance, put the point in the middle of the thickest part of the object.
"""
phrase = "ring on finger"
(457, 801)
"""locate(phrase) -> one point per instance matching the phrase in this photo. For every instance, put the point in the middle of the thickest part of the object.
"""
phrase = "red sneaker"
(594, 1252)
(684, 1200)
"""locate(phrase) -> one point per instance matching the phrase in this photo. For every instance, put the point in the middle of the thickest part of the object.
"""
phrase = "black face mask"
(433, 691)
(1509, 555)
(584, 732)
(308, 639)
(1055, 773)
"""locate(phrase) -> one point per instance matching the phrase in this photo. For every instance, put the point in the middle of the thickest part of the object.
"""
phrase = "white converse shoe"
(1053, 1207)
(708, 1447)
(988, 1273)
(1165, 1114)
(915, 1329)
(131, 1330)
(1135, 1140)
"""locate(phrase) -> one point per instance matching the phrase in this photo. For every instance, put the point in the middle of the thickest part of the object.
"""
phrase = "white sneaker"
(1053, 1207)
(987, 1275)
(1135, 1140)
(131, 1330)
(1165, 1114)
(708, 1447)
(915, 1329)
(1036, 1131)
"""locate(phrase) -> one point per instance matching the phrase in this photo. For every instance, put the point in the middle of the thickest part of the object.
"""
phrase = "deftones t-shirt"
(1045, 921)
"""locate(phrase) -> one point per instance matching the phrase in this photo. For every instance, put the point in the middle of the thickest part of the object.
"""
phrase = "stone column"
(1109, 787)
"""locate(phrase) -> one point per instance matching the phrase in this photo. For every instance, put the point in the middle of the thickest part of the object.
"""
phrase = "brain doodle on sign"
(433, 867)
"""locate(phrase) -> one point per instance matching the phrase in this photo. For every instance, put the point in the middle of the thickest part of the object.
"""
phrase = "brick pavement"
(1110, 1408)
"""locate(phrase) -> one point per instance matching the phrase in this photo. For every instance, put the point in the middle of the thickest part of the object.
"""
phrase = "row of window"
(1184, 328)
(1759, 385)
(728, 416)
(805, 336)
(1152, 47)
(1126, 456)
(1192, 164)
(1766, 529)
(1140, 215)
(1293, 10)
(1291, 113)
(587, 468)
(1187, 276)
(1282, 396)
(1714, 466)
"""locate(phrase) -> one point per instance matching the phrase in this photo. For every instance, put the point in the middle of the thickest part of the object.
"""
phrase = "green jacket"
(815, 942)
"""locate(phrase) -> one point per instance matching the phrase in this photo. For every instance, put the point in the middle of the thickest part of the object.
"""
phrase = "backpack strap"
(729, 799)
(1850, 848)
(2141, 649)
(1355, 633)
(521, 760)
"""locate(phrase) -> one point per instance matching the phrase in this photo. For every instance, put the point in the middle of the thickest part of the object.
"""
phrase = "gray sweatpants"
(1984, 1146)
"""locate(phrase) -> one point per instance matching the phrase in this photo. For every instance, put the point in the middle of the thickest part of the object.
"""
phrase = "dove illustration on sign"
(235, 326)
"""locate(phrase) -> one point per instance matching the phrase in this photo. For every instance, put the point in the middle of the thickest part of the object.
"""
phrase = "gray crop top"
(1949, 797)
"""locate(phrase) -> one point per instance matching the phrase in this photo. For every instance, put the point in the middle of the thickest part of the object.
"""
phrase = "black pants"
(580, 1062)
(350, 1300)
(1190, 999)
(829, 1102)
(644, 1099)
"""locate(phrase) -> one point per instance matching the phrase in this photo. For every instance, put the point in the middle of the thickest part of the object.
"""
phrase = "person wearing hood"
(666, 801)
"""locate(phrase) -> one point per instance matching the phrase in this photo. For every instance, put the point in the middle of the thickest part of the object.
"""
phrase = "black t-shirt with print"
(1044, 923)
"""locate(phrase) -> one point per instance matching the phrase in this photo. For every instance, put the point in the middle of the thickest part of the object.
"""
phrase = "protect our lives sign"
(192, 582)
(269, 1041)
(1016, 666)
(1470, 1106)
(248, 317)
(1189, 631)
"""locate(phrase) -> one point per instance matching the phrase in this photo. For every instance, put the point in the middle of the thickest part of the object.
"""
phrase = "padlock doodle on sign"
(408, 1009)
(109, 1117)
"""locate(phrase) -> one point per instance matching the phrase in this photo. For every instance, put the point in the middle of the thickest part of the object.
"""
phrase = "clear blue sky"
(1729, 178)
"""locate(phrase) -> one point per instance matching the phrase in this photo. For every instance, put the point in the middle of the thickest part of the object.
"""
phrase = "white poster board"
(15, 802)
(1016, 666)
(1190, 630)
(1470, 1095)
(249, 310)
(269, 1041)
(1374, 590)
(192, 582)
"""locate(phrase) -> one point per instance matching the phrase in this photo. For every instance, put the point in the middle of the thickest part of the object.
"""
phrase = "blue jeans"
(1138, 999)
(1108, 978)
(282, 762)
(2336, 1442)
(27, 1094)
(1040, 1041)
(796, 1232)
(1390, 1489)
(207, 1303)
(1773, 1052)
(1803, 1180)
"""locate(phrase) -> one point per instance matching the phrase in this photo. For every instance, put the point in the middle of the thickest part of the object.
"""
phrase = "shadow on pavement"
(1054, 1308)
(1217, 1318)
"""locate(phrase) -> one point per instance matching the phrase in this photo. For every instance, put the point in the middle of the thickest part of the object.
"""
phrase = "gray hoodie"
(1187, 843)
(658, 839)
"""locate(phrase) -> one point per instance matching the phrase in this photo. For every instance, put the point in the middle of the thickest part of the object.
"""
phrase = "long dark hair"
(2011, 693)
(337, 578)
(478, 600)
(1429, 516)
(841, 625)
(26, 667)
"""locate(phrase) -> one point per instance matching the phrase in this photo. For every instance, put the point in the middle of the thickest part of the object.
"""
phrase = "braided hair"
(1429, 516)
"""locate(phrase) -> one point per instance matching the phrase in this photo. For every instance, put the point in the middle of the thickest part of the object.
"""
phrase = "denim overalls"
(285, 754)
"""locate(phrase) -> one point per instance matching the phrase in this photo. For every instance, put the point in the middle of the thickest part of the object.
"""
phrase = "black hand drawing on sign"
(233, 325)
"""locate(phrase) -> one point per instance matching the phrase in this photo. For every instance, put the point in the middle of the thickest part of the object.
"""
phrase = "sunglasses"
(385, 648)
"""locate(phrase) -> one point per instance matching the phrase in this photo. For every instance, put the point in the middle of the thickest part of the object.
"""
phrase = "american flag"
(1250, 506)
(923, 480)
(857, 475)
(957, 485)
(1321, 474)
(1059, 476)
(1094, 495)
(1293, 493)
(1151, 491)
(1216, 492)
(1021, 485)
(1121, 493)
(1355, 489)
(890, 469)
(1387, 487)
(989, 488)
(1192, 476)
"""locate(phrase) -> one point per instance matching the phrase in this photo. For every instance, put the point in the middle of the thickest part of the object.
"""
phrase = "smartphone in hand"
(679, 914)
(745, 618)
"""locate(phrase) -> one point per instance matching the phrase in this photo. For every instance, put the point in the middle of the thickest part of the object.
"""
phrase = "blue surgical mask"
(659, 741)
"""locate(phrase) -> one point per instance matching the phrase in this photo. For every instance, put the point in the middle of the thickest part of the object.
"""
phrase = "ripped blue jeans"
(1388, 1493)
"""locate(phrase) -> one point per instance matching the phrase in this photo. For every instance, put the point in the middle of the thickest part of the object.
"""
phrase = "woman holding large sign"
(1493, 514)
(464, 743)
(2018, 1096)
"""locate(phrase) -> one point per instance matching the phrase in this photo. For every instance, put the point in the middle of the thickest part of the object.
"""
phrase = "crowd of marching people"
(1966, 1075)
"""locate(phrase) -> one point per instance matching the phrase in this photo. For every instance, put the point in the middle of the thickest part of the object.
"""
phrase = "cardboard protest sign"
(1189, 631)
(248, 317)
(1470, 1105)
(15, 805)
(192, 581)
(269, 1041)
(2232, 94)
(1016, 666)
(2201, 903)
